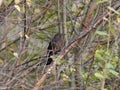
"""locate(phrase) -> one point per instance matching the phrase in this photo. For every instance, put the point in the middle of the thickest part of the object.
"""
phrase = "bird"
(55, 46)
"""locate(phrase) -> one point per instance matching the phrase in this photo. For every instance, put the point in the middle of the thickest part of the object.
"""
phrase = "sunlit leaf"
(116, 58)
(28, 2)
(72, 70)
(37, 10)
(99, 51)
(17, 1)
(27, 37)
(113, 31)
(74, 8)
(114, 72)
(1, 1)
(3, 45)
(65, 76)
(118, 19)
(109, 65)
(105, 89)
(84, 75)
(17, 7)
(1, 61)
(99, 75)
(21, 34)
(107, 55)
(15, 54)
(112, 9)
(99, 57)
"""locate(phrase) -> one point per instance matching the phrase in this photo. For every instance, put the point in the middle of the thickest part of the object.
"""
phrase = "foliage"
(27, 27)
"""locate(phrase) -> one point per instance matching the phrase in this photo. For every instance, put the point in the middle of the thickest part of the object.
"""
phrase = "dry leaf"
(17, 7)
(1, 1)
(17, 1)
(28, 2)
(118, 19)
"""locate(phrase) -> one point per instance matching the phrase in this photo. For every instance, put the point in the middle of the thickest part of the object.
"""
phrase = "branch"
(43, 13)
(75, 42)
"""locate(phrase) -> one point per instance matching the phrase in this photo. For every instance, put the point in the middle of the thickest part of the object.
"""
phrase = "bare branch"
(76, 41)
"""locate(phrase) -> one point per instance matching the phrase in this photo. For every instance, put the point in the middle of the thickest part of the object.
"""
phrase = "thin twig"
(75, 42)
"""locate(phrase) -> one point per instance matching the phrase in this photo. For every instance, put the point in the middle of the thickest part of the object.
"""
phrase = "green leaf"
(114, 72)
(72, 69)
(1, 61)
(59, 62)
(105, 89)
(101, 32)
(107, 55)
(84, 75)
(65, 76)
(99, 57)
(109, 65)
(15, 54)
(102, 1)
(74, 8)
(115, 59)
(40, 36)
(101, 51)
(112, 9)
(112, 30)
(99, 75)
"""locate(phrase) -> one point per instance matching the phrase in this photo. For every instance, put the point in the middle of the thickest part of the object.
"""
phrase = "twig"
(75, 42)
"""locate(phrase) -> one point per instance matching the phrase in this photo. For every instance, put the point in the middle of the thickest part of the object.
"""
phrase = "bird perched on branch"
(56, 45)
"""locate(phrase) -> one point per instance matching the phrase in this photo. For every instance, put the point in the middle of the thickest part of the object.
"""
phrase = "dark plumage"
(55, 46)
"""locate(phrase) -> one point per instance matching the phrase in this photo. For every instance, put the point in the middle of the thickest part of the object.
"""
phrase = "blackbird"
(55, 45)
